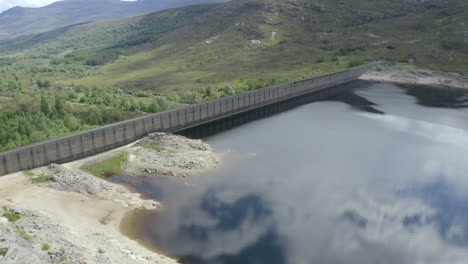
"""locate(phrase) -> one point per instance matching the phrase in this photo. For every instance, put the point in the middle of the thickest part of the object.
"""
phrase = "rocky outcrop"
(62, 178)
(170, 155)
(416, 76)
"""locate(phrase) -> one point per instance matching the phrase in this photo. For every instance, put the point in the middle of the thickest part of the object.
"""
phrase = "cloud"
(7, 4)
(432, 131)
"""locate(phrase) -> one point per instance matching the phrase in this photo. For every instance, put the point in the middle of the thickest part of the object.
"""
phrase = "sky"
(7, 4)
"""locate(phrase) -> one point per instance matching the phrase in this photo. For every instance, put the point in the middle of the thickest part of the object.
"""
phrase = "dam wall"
(90, 142)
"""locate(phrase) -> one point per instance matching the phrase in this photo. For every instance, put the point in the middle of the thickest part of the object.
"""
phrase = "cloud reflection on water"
(343, 186)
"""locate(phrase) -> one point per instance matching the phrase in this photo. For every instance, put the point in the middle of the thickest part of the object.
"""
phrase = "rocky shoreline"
(410, 75)
(66, 215)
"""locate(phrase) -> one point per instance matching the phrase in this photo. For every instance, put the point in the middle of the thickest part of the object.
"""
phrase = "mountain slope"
(273, 39)
(265, 39)
(107, 33)
(20, 21)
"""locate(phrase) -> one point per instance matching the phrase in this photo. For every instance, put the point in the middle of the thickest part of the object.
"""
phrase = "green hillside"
(185, 55)
(23, 21)
(265, 39)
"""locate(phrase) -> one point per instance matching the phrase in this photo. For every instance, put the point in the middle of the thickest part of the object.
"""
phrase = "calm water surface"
(377, 175)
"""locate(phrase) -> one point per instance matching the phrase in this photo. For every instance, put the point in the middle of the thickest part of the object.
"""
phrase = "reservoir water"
(378, 174)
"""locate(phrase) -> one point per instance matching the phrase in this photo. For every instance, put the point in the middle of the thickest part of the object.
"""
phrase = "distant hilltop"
(22, 21)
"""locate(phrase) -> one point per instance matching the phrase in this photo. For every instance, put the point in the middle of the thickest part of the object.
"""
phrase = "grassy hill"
(264, 39)
(185, 55)
(261, 39)
(20, 21)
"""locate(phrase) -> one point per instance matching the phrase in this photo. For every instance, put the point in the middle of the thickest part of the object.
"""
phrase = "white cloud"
(7, 4)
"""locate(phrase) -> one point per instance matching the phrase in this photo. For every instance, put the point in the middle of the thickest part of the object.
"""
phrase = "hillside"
(264, 39)
(272, 39)
(110, 70)
(20, 21)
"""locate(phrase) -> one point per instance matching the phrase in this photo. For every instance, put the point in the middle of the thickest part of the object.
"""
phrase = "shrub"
(45, 247)
(12, 216)
(355, 63)
(320, 60)
(454, 44)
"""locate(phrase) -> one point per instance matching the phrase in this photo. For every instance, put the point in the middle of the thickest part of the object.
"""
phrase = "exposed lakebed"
(376, 175)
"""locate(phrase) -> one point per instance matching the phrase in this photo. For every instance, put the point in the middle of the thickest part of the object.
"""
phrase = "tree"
(153, 107)
(59, 107)
(45, 107)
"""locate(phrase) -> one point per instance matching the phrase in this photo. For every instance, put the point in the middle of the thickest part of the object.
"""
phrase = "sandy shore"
(75, 217)
(416, 76)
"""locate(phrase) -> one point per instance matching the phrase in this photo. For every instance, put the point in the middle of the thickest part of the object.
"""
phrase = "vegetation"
(24, 235)
(29, 173)
(21, 21)
(108, 167)
(45, 247)
(154, 147)
(39, 179)
(88, 75)
(11, 215)
(355, 63)
(31, 114)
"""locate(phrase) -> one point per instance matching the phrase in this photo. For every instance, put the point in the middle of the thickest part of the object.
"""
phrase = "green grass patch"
(40, 179)
(153, 147)
(12, 216)
(45, 247)
(29, 172)
(24, 235)
(108, 167)
(355, 63)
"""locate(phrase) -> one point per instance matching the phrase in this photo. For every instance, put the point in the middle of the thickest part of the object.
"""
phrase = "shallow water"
(377, 175)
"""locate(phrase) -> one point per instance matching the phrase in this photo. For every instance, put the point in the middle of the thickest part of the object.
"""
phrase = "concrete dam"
(94, 141)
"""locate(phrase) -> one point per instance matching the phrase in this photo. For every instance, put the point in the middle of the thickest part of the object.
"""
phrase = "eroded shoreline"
(75, 217)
